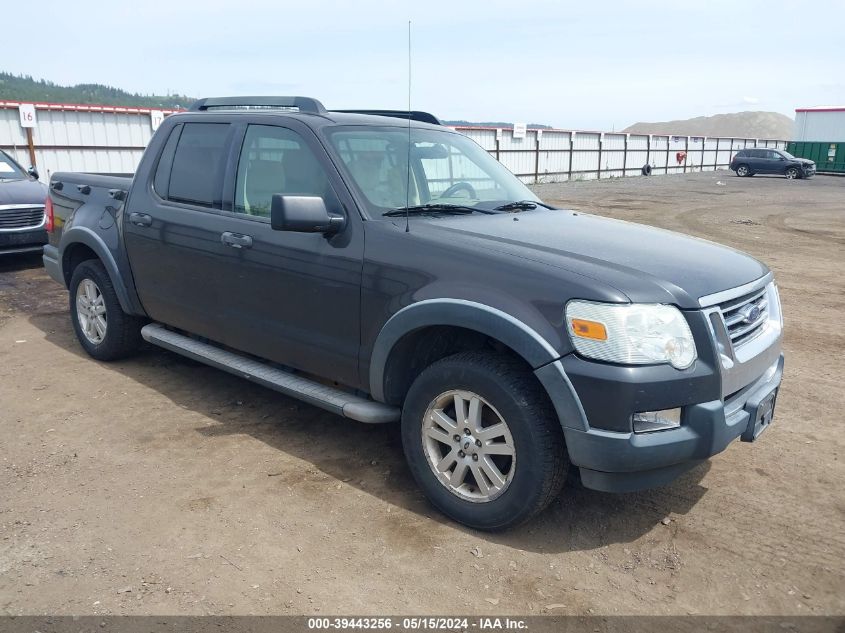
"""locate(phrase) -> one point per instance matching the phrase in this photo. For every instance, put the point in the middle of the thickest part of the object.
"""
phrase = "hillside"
(739, 124)
(27, 89)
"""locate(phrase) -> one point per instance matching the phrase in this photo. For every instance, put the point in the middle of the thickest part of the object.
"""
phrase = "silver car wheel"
(742, 170)
(468, 446)
(91, 311)
(791, 173)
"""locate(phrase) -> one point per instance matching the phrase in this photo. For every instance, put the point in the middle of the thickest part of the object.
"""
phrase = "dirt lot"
(159, 486)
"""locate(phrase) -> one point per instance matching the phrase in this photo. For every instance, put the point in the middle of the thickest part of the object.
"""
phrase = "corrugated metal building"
(825, 124)
(70, 137)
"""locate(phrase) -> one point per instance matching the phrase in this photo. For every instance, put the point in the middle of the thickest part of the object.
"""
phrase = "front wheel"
(102, 327)
(483, 441)
(792, 173)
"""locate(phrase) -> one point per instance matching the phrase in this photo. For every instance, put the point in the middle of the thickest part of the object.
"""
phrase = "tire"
(104, 330)
(506, 392)
(646, 170)
(742, 171)
(792, 173)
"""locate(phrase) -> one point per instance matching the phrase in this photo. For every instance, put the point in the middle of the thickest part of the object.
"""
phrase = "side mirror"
(33, 172)
(303, 214)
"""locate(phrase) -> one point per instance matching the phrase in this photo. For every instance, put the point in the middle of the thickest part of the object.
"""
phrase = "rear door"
(769, 161)
(172, 233)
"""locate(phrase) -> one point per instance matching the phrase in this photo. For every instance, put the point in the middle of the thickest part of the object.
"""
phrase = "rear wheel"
(742, 170)
(483, 441)
(102, 327)
(792, 172)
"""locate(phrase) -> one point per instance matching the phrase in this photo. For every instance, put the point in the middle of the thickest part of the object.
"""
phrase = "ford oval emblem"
(750, 314)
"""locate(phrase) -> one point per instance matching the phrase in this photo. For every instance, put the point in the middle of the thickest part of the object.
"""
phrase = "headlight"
(631, 334)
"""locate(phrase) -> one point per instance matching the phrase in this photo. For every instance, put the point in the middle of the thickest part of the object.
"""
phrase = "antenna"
(408, 183)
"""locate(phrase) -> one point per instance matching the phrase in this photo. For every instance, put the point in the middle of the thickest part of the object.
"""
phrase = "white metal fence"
(559, 155)
(111, 140)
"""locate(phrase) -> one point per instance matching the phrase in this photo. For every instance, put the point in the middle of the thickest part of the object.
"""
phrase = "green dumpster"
(829, 157)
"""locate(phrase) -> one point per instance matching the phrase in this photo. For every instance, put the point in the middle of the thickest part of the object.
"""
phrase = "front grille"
(22, 217)
(745, 316)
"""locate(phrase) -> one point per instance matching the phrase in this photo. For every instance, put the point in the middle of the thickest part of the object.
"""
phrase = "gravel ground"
(159, 486)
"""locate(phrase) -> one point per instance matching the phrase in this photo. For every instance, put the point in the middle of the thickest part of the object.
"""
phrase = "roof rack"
(414, 115)
(303, 104)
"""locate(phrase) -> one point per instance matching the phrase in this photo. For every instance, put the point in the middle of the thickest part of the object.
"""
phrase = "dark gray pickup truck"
(386, 268)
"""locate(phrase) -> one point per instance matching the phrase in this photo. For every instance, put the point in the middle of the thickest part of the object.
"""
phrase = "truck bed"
(72, 191)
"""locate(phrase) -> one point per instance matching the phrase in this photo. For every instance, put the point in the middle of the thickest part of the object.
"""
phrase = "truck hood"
(22, 192)
(646, 264)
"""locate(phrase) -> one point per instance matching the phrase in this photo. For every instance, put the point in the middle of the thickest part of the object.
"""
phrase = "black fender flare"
(83, 235)
(495, 323)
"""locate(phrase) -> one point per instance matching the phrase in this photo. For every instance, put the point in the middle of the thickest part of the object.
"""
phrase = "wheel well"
(420, 348)
(74, 255)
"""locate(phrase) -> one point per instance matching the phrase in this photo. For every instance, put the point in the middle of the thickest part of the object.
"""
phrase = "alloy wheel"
(468, 446)
(91, 311)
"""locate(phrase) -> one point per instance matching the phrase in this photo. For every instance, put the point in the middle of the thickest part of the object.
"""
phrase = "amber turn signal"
(589, 329)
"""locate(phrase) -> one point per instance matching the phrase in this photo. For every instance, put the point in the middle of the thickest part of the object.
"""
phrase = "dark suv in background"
(22, 220)
(749, 162)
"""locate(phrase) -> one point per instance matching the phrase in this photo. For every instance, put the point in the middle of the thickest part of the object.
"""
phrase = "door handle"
(140, 219)
(236, 240)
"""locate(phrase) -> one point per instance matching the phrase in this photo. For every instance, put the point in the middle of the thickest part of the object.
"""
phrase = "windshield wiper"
(434, 208)
(520, 205)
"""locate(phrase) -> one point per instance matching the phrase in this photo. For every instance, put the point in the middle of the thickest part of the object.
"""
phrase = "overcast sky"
(584, 65)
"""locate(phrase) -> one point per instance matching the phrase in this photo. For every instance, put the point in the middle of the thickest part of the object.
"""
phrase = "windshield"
(9, 169)
(447, 168)
(787, 155)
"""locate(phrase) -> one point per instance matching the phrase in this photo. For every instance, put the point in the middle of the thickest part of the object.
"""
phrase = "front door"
(291, 297)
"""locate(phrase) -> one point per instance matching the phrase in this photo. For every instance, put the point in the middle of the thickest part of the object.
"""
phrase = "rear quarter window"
(161, 180)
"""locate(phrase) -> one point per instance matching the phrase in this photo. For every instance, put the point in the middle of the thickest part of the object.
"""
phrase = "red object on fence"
(681, 157)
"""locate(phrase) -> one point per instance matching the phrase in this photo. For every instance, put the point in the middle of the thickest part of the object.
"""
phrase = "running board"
(329, 398)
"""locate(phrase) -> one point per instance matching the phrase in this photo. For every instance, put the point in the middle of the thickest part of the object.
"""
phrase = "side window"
(774, 155)
(201, 150)
(276, 160)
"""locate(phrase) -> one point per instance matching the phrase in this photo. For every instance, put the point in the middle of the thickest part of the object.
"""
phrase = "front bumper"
(623, 462)
(729, 392)
(27, 241)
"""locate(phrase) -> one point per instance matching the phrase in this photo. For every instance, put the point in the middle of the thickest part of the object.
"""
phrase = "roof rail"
(415, 115)
(303, 104)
